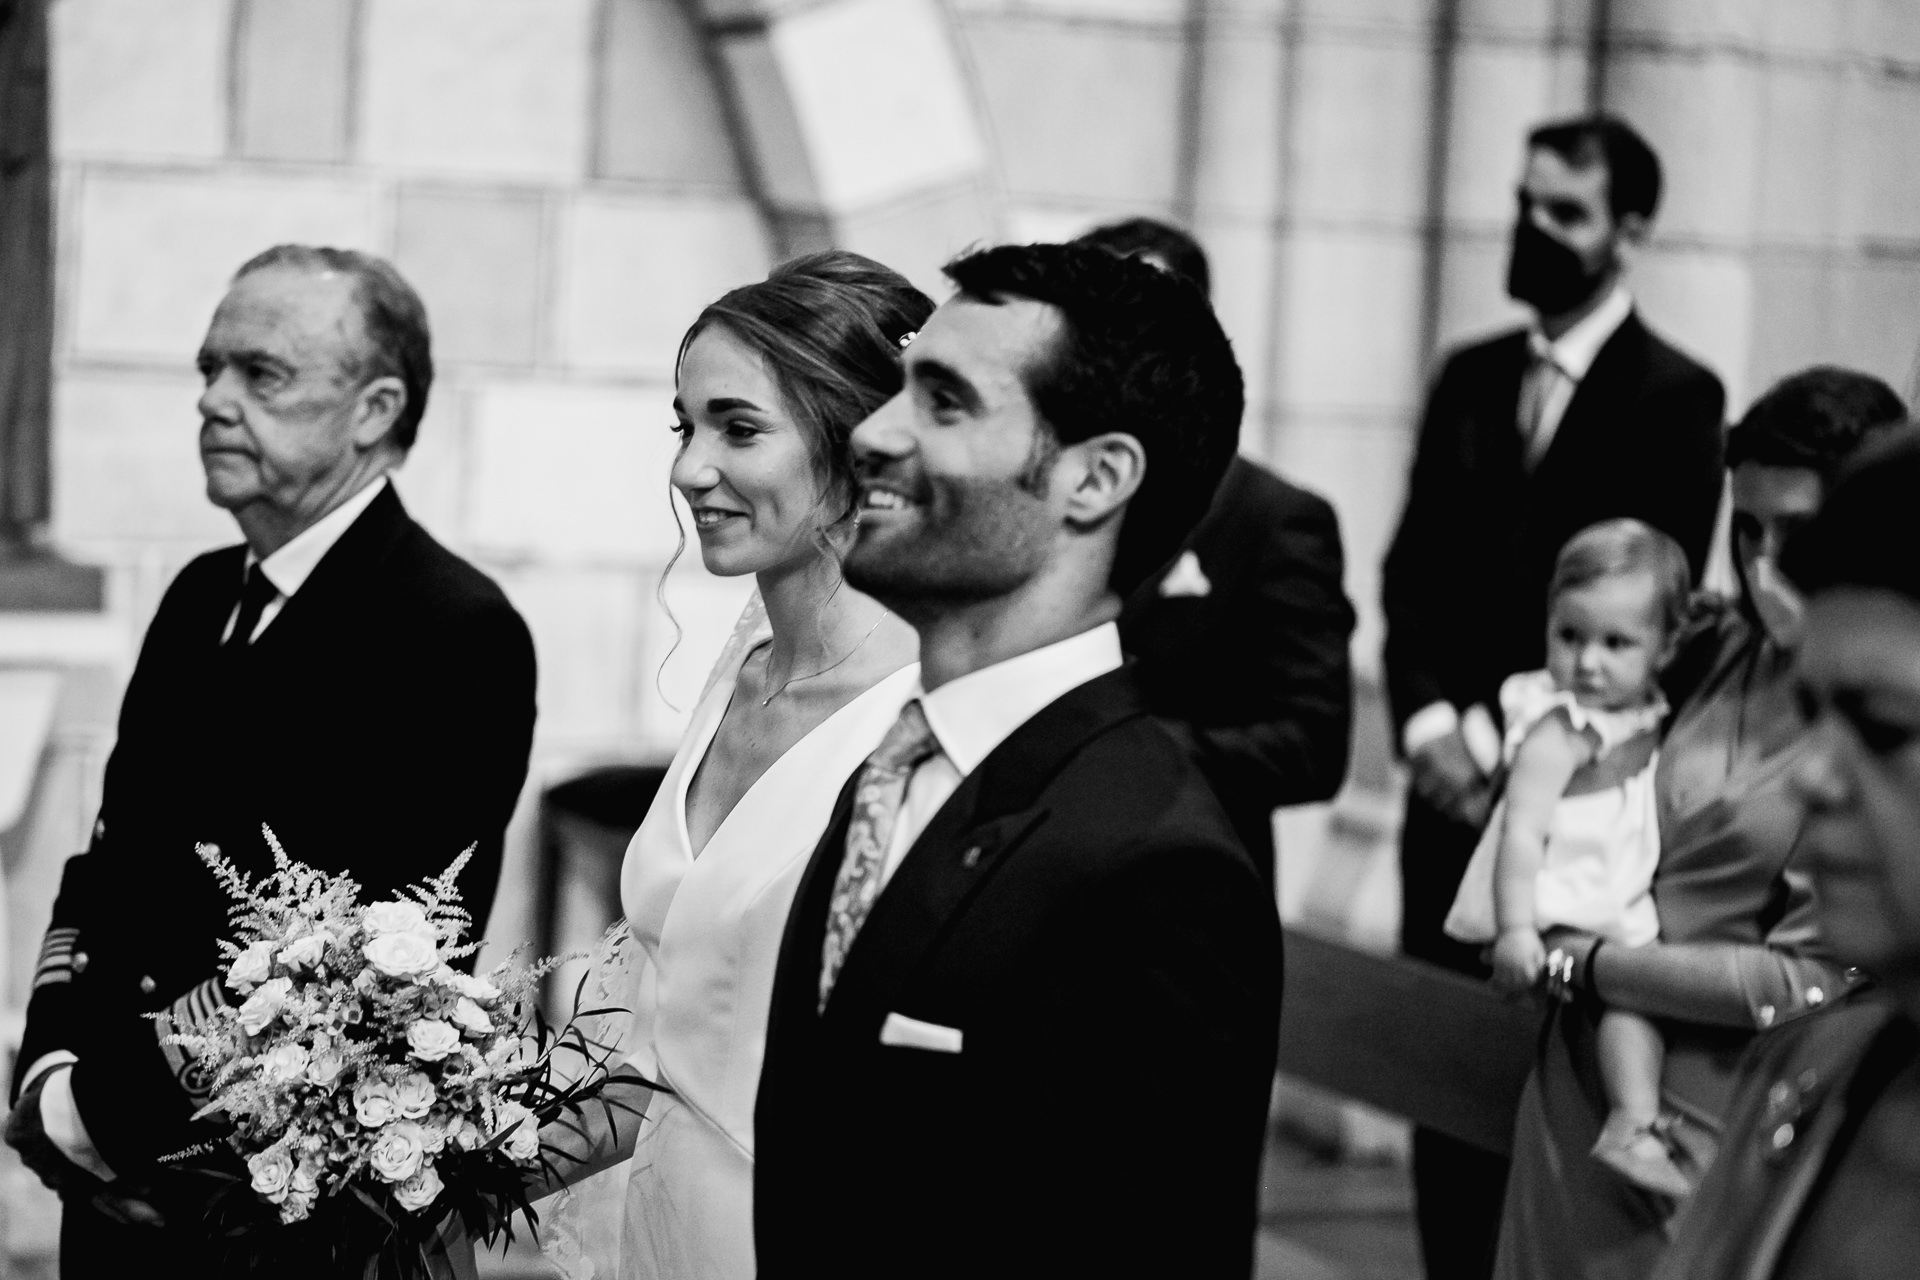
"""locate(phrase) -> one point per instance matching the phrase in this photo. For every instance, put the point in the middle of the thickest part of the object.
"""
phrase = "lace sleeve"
(748, 631)
(580, 1225)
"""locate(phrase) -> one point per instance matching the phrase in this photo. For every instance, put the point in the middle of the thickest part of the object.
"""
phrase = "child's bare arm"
(1542, 768)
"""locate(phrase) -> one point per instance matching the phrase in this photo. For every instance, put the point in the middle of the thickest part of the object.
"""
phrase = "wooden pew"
(1443, 1050)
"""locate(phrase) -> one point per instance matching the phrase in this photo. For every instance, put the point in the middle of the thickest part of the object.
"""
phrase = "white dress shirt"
(975, 713)
(1546, 389)
(289, 568)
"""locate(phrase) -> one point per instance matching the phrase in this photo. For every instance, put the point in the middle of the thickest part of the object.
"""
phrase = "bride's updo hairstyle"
(829, 326)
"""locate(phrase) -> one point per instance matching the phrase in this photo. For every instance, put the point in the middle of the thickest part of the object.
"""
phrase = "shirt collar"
(1574, 351)
(977, 712)
(289, 567)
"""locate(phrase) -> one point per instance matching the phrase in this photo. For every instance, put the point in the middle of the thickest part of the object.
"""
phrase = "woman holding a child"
(1737, 949)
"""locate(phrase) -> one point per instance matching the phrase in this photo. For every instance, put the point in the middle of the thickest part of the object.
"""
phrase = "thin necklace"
(791, 680)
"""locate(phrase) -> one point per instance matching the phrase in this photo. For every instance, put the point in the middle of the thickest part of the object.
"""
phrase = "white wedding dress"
(708, 929)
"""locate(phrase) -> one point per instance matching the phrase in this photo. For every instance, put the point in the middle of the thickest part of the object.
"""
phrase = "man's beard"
(971, 540)
(1548, 276)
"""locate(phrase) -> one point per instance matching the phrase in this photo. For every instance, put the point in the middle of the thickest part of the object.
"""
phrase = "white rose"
(304, 953)
(419, 1191)
(431, 1039)
(466, 985)
(264, 1005)
(286, 1063)
(471, 1016)
(374, 1103)
(395, 917)
(414, 1095)
(523, 1141)
(272, 1169)
(251, 967)
(398, 1151)
(324, 1066)
(403, 955)
(295, 1208)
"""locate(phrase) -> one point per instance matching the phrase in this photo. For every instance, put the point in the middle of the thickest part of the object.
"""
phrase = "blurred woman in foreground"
(1819, 1171)
(1740, 948)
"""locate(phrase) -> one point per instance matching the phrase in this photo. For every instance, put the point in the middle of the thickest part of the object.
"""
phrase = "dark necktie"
(255, 596)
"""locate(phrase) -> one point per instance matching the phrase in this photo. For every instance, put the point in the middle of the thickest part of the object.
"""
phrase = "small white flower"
(403, 955)
(374, 1103)
(395, 917)
(414, 1095)
(466, 985)
(295, 1208)
(324, 1066)
(430, 1039)
(398, 1151)
(264, 1005)
(419, 1191)
(286, 1063)
(471, 1017)
(523, 1142)
(251, 967)
(272, 1170)
(464, 1134)
(306, 1179)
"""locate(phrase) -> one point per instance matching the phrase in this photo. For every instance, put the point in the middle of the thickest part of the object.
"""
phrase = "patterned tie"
(255, 596)
(876, 802)
(1537, 385)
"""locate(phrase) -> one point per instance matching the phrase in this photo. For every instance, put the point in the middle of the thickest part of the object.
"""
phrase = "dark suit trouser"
(1458, 1188)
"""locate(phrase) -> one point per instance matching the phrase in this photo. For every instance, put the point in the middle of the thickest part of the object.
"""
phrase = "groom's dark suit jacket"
(379, 725)
(1081, 911)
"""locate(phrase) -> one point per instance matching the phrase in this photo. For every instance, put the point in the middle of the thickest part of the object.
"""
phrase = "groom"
(1025, 1013)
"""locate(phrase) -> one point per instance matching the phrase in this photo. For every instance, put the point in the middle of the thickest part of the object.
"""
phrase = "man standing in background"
(339, 677)
(1242, 642)
(1583, 415)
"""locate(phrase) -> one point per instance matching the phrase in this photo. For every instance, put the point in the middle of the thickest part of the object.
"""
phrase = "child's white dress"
(1602, 847)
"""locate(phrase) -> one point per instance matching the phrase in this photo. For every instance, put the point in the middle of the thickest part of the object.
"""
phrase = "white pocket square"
(911, 1033)
(1186, 578)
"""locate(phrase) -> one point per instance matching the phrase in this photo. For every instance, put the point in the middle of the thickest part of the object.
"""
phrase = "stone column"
(26, 270)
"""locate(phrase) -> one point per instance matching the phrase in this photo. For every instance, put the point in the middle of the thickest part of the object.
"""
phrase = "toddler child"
(1574, 839)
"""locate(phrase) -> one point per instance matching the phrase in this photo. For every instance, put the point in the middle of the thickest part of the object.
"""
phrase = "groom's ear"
(1102, 473)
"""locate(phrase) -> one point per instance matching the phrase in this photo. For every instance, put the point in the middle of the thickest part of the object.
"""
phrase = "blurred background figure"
(1582, 416)
(1242, 641)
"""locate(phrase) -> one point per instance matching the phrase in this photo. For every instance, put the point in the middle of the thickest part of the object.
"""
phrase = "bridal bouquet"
(374, 1091)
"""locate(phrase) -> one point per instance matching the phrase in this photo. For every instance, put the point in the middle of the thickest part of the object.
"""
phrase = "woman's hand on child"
(1519, 956)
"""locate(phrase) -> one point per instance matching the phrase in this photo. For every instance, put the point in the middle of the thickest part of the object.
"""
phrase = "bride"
(772, 379)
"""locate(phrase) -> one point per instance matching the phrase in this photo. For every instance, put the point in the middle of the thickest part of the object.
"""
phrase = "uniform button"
(1815, 996)
(1780, 1094)
(1808, 1079)
(1782, 1137)
(1766, 1015)
(971, 858)
(147, 984)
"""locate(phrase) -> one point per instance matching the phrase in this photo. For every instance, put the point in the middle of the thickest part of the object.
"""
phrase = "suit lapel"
(982, 824)
(343, 573)
(1617, 370)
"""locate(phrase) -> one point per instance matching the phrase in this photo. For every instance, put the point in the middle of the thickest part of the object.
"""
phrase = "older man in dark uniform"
(339, 677)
